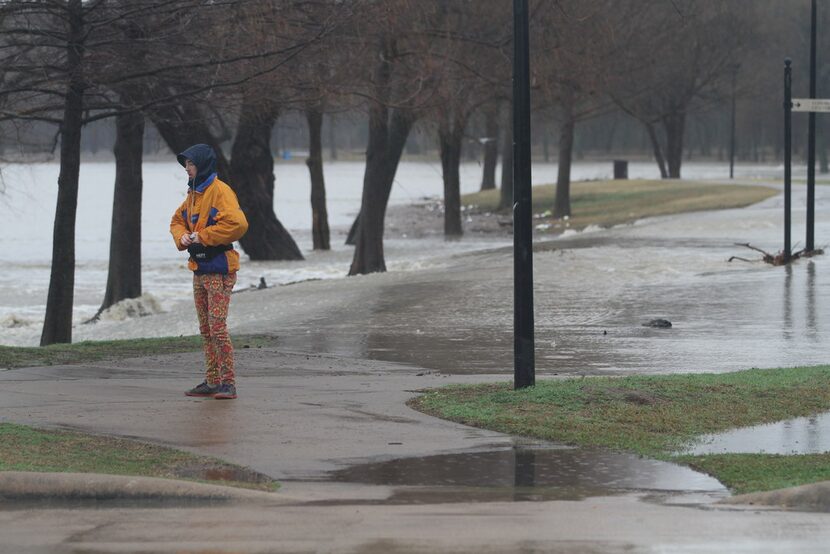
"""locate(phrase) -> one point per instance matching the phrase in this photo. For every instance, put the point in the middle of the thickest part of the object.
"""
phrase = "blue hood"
(204, 158)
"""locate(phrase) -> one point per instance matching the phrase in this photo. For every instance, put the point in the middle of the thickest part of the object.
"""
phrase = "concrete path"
(297, 415)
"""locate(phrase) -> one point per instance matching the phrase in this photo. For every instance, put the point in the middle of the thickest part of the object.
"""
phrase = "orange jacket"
(213, 212)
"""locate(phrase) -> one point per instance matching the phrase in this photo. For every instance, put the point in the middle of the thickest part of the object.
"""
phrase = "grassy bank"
(93, 351)
(608, 203)
(24, 448)
(654, 416)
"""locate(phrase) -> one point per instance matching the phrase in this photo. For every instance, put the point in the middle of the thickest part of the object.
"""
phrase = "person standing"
(206, 225)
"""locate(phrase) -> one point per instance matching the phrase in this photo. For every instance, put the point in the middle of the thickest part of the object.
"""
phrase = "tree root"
(779, 258)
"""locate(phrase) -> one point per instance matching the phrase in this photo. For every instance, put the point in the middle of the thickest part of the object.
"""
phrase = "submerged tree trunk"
(319, 215)
(124, 275)
(674, 124)
(491, 148)
(450, 136)
(252, 177)
(658, 152)
(562, 202)
(57, 324)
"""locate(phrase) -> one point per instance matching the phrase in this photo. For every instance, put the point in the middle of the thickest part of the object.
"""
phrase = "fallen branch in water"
(776, 259)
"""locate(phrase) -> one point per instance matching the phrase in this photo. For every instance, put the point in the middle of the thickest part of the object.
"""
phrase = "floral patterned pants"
(212, 293)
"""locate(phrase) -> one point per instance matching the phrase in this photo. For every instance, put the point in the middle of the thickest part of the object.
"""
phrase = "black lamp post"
(523, 343)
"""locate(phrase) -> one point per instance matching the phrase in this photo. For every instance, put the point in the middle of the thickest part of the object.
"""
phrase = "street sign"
(811, 104)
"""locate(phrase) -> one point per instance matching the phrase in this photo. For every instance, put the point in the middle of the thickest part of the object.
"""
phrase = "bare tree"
(124, 271)
(678, 54)
(470, 49)
(572, 49)
(393, 45)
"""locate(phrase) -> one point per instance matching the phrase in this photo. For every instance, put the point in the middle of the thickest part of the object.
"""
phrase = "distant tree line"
(607, 75)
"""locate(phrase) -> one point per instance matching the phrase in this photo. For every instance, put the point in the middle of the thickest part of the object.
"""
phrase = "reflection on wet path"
(803, 435)
(525, 473)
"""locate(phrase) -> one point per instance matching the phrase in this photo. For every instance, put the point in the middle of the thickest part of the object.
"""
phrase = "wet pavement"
(314, 421)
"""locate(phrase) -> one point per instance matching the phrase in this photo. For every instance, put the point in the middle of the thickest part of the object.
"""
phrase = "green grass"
(25, 448)
(608, 203)
(744, 473)
(654, 416)
(93, 351)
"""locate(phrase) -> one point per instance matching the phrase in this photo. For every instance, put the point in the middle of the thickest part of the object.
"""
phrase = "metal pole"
(732, 127)
(811, 139)
(524, 371)
(788, 107)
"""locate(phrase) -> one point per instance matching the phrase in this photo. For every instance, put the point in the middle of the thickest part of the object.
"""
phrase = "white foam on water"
(129, 308)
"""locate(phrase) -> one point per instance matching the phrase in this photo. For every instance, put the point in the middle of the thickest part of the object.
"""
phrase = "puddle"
(526, 474)
(803, 435)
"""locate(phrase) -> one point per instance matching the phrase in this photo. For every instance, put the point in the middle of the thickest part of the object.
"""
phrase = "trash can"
(620, 169)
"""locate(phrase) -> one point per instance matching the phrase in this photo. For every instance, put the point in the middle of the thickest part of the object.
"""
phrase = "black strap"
(200, 252)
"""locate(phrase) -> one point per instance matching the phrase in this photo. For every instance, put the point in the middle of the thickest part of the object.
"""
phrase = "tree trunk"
(124, 276)
(351, 238)
(183, 126)
(252, 177)
(401, 124)
(387, 138)
(491, 148)
(319, 215)
(450, 136)
(332, 138)
(658, 152)
(674, 124)
(506, 199)
(368, 254)
(562, 202)
(57, 324)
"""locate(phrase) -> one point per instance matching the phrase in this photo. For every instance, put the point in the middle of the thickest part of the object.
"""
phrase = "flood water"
(526, 473)
(593, 293)
(803, 435)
